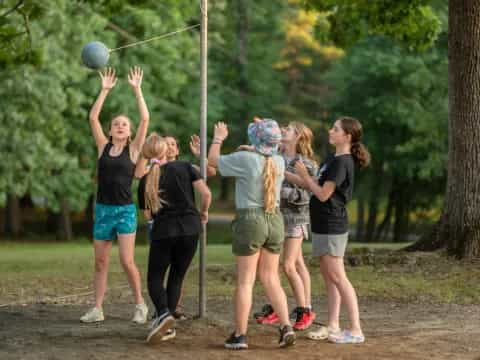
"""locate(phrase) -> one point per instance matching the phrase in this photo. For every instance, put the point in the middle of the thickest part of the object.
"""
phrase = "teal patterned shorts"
(111, 220)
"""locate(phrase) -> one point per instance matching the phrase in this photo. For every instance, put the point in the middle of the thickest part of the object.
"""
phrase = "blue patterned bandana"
(265, 136)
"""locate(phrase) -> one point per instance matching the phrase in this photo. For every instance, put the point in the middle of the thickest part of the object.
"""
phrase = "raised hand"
(135, 77)
(220, 132)
(301, 169)
(108, 78)
(195, 145)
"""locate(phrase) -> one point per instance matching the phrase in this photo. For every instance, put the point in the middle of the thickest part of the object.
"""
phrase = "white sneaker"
(170, 334)
(140, 314)
(93, 315)
(323, 333)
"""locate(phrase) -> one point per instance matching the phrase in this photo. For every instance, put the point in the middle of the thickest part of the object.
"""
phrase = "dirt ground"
(393, 331)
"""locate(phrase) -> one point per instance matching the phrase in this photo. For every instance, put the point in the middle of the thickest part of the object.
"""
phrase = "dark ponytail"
(361, 154)
(359, 151)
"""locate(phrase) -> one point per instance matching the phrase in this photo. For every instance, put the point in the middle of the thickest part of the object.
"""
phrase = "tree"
(459, 224)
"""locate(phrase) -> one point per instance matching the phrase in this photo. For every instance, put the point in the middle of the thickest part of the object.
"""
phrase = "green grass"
(42, 271)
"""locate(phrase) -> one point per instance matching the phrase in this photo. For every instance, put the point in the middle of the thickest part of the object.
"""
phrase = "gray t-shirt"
(247, 169)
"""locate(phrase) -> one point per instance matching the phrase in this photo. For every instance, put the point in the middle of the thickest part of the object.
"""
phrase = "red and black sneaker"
(267, 315)
(269, 319)
(305, 319)
(267, 309)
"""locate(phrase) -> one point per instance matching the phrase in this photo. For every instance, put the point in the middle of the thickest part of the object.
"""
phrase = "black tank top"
(115, 175)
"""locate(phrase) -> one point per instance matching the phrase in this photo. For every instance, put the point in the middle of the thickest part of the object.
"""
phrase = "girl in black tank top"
(115, 175)
(115, 213)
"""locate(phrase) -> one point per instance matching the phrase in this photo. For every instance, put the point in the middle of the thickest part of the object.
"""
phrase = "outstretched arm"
(135, 77)
(195, 149)
(206, 197)
(220, 134)
(141, 167)
(108, 82)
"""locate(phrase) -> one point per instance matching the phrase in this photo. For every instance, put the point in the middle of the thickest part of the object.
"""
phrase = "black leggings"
(176, 253)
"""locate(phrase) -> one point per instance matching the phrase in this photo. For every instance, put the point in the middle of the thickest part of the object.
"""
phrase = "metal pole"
(202, 308)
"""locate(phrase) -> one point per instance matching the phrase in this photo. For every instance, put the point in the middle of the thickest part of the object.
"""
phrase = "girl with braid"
(258, 227)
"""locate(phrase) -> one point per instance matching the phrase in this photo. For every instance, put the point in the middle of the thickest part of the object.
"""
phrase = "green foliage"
(411, 22)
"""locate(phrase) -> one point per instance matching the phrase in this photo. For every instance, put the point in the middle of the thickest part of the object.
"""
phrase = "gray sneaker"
(287, 336)
(93, 315)
(160, 327)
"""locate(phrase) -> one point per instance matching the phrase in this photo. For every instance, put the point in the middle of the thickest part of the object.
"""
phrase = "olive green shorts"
(254, 229)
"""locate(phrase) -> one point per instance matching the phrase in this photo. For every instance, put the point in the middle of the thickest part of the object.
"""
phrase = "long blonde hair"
(155, 147)
(305, 139)
(269, 192)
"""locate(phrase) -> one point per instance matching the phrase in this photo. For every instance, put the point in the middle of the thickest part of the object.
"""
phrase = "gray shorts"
(328, 244)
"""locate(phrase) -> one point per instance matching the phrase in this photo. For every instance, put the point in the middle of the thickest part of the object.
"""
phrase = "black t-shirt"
(330, 217)
(179, 215)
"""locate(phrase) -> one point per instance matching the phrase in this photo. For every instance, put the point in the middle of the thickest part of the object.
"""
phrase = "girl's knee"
(289, 267)
(128, 264)
(101, 264)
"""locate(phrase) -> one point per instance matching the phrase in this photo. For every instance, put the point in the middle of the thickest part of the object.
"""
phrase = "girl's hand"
(204, 217)
(246, 148)
(220, 132)
(301, 169)
(135, 76)
(195, 145)
(108, 78)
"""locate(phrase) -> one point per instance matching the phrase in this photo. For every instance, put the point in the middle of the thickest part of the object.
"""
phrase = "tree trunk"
(462, 204)
(372, 217)
(64, 225)
(383, 228)
(459, 224)
(373, 203)
(13, 219)
(360, 218)
(400, 226)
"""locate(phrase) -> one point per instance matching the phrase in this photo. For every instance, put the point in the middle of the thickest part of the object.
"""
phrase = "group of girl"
(280, 195)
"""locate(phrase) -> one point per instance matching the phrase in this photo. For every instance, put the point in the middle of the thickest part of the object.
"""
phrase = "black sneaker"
(267, 309)
(287, 336)
(236, 342)
(294, 314)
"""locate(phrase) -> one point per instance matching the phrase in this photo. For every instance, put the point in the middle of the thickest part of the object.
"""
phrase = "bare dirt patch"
(393, 331)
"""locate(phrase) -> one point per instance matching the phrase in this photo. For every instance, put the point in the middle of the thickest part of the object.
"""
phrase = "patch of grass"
(32, 272)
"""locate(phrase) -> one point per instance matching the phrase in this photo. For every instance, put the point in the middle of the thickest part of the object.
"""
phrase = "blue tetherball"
(95, 55)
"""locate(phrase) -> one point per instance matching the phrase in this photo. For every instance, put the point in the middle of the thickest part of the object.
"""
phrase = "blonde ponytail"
(152, 193)
(269, 191)
(155, 147)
